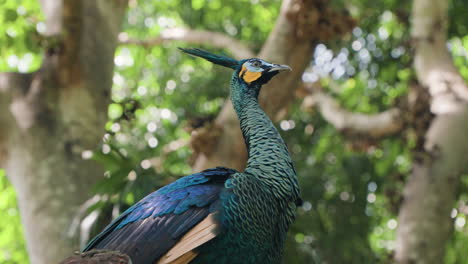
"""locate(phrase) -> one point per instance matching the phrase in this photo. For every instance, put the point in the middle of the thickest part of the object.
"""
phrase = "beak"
(278, 67)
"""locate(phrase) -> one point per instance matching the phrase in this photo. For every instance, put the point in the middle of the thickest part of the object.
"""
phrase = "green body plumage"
(259, 204)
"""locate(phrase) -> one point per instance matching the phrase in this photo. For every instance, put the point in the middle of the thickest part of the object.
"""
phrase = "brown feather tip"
(183, 252)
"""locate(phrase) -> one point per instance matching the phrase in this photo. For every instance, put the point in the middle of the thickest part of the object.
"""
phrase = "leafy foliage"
(12, 246)
(20, 22)
(351, 187)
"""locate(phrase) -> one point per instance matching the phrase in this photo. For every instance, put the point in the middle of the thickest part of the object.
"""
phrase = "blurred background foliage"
(351, 187)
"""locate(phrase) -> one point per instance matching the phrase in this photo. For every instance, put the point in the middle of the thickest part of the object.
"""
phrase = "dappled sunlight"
(163, 115)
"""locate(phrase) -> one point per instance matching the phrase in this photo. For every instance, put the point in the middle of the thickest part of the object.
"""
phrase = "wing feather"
(176, 218)
(186, 258)
(197, 236)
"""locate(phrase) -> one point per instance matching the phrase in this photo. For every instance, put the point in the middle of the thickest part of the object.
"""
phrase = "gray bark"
(50, 116)
(375, 125)
(430, 193)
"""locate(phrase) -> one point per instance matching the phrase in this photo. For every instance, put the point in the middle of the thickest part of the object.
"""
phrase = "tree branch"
(76, 25)
(53, 16)
(373, 125)
(193, 36)
(424, 223)
(437, 72)
(11, 84)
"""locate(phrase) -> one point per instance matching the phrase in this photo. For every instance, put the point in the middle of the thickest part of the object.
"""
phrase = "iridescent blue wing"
(148, 229)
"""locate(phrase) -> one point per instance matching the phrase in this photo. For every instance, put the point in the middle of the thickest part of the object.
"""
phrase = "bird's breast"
(253, 216)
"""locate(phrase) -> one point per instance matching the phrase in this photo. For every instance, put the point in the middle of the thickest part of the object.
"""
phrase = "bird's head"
(253, 72)
(257, 71)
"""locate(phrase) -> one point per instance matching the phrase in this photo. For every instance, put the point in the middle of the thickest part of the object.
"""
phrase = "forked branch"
(373, 125)
(192, 36)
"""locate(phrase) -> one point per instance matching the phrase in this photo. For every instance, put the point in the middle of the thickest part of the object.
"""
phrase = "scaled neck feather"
(268, 156)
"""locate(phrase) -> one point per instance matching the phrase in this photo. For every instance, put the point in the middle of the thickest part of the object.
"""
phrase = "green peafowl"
(219, 215)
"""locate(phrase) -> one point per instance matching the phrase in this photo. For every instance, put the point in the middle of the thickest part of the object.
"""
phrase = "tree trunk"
(430, 193)
(51, 116)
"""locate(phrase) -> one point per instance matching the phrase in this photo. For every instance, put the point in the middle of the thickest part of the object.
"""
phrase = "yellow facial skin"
(249, 76)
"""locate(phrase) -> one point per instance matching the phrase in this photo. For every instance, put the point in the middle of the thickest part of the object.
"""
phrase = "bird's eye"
(256, 64)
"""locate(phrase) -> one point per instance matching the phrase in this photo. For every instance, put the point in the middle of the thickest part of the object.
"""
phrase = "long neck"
(268, 156)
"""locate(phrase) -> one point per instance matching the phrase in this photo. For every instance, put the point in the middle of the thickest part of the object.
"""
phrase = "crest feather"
(214, 58)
